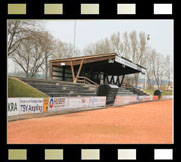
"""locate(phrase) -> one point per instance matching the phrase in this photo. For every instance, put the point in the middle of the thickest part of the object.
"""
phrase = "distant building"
(170, 87)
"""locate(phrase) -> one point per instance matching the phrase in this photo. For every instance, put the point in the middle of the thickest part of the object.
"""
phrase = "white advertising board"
(97, 101)
(75, 102)
(166, 97)
(151, 98)
(31, 105)
(13, 106)
(57, 103)
(133, 99)
(85, 101)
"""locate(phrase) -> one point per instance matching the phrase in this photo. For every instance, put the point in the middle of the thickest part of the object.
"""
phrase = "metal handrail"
(87, 80)
(127, 86)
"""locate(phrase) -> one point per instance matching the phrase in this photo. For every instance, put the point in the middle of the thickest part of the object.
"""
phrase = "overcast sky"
(90, 31)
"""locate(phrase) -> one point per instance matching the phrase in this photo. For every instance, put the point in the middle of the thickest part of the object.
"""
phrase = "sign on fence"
(85, 102)
(97, 101)
(166, 97)
(155, 97)
(122, 100)
(31, 105)
(57, 103)
(13, 106)
(45, 104)
(75, 102)
(133, 99)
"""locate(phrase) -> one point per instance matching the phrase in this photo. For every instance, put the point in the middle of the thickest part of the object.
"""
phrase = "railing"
(85, 80)
(128, 86)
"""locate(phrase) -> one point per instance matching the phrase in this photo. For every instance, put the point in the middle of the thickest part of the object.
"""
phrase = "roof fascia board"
(129, 64)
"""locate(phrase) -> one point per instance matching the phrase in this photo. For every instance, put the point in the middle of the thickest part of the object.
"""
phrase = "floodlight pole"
(147, 39)
(74, 37)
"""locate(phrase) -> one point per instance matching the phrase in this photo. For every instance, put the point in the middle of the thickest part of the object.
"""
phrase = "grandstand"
(81, 76)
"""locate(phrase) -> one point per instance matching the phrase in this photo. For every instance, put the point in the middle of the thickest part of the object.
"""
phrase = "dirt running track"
(143, 123)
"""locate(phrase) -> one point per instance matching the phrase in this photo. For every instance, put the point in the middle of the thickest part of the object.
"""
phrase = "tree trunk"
(46, 67)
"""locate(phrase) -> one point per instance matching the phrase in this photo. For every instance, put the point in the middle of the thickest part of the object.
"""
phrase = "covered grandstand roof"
(110, 63)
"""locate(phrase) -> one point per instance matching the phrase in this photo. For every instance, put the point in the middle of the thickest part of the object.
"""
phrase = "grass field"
(18, 89)
(151, 92)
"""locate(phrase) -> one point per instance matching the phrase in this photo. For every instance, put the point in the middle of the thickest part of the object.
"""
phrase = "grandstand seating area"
(54, 88)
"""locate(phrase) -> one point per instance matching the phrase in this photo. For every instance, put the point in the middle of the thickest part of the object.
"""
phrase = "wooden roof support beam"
(72, 68)
(80, 67)
(51, 71)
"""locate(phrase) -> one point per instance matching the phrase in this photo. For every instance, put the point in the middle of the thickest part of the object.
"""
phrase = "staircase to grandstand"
(127, 89)
(54, 88)
(112, 91)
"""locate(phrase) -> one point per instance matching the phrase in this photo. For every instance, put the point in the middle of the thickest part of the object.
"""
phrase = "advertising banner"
(143, 98)
(31, 105)
(75, 102)
(127, 99)
(122, 100)
(13, 106)
(133, 99)
(151, 98)
(85, 102)
(57, 103)
(45, 104)
(119, 100)
(97, 101)
(155, 97)
(147, 98)
(167, 97)
(139, 98)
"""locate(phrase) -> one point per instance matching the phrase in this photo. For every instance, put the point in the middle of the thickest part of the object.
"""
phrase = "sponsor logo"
(59, 102)
(12, 107)
(83, 100)
(32, 108)
(51, 103)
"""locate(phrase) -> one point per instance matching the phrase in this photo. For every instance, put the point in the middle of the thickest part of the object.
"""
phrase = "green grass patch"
(149, 91)
(164, 93)
(18, 89)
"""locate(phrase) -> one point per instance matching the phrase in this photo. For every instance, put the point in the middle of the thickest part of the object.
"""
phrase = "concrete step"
(65, 83)
(53, 84)
(68, 92)
(70, 95)
(126, 94)
(60, 88)
(124, 90)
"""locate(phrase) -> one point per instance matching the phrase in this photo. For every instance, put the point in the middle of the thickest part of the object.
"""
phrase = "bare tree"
(100, 47)
(116, 44)
(150, 54)
(168, 69)
(18, 30)
(30, 55)
(138, 47)
(48, 45)
(126, 46)
(158, 68)
(64, 50)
